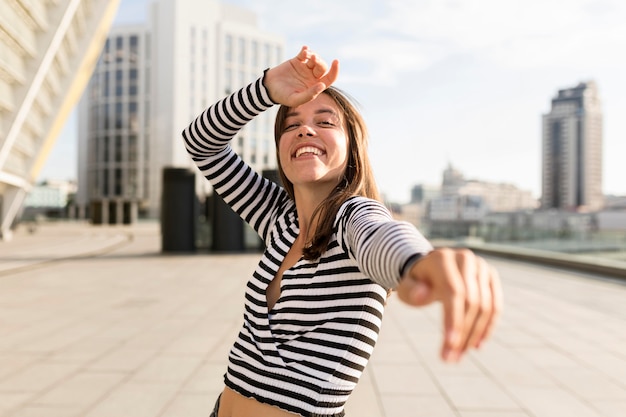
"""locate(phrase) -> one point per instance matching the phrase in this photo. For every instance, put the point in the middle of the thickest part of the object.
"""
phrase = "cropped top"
(305, 355)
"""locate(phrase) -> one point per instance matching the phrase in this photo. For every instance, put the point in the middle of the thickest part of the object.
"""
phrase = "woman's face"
(313, 147)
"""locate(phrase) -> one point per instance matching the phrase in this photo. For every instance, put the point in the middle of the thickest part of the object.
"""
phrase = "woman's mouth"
(308, 150)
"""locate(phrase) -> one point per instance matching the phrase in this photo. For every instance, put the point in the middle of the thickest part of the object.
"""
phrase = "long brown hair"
(358, 179)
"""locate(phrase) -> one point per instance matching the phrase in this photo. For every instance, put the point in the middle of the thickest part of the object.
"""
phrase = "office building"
(150, 82)
(47, 52)
(572, 150)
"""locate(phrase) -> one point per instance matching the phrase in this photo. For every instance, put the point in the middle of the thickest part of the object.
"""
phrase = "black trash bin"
(227, 227)
(178, 210)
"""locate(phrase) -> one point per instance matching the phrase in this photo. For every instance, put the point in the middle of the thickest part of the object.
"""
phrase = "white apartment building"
(572, 150)
(149, 84)
(464, 203)
(496, 197)
(47, 52)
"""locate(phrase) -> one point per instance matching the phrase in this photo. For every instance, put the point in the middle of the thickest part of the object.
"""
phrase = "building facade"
(149, 84)
(47, 52)
(114, 165)
(572, 150)
(463, 203)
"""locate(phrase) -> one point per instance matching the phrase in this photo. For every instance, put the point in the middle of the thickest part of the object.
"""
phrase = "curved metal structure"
(48, 49)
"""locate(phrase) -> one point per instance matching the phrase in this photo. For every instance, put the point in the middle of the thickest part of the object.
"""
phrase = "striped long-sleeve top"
(306, 354)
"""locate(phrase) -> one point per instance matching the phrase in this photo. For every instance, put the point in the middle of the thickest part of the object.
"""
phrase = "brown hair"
(358, 179)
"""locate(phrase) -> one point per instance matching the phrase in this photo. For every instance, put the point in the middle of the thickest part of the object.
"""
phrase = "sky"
(440, 82)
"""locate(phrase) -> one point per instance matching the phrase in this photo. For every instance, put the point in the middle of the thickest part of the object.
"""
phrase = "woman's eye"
(326, 123)
(291, 127)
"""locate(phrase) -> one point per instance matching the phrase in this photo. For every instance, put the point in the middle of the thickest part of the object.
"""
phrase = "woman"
(314, 304)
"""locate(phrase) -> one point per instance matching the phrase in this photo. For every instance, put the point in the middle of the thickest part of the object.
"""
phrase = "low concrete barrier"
(587, 263)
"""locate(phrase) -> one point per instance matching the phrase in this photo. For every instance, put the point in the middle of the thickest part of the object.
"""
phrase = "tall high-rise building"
(47, 52)
(572, 150)
(150, 82)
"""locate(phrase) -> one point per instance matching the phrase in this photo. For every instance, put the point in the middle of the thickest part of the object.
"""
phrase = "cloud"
(380, 41)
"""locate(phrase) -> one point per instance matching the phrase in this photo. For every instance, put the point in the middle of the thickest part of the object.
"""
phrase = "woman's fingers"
(495, 288)
(304, 54)
(483, 308)
(470, 293)
(331, 75)
(318, 67)
(469, 267)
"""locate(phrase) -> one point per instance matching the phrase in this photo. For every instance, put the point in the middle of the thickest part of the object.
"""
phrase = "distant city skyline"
(460, 83)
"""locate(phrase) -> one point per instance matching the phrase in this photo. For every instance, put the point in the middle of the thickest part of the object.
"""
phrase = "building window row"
(250, 53)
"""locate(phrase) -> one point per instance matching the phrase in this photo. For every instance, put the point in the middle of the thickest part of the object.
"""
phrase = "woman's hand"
(300, 79)
(470, 293)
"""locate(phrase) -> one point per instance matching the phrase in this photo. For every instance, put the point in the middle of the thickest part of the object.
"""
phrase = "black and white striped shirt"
(306, 354)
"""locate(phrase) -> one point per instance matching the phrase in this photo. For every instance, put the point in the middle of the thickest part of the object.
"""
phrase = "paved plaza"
(97, 322)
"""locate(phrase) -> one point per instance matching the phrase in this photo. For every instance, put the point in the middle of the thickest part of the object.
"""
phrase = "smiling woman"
(315, 303)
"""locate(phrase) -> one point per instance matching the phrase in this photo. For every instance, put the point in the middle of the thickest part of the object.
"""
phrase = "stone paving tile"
(612, 408)
(497, 413)
(12, 362)
(46, 411)
(553, 401)
(403, 379)
(37, 377)
(364, 401)
(475, 393)
(416, 406)
(10, 401)
(135, 400)
(80, 390)
(209, 377)
(122, 360)
(589, 385)
(169, 369)
(506, 366)
(191, 405)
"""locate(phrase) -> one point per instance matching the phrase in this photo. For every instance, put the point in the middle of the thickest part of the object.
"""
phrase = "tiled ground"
(133, 333)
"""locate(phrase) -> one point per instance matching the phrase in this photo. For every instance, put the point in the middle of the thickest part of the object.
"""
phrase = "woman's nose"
(305, 130)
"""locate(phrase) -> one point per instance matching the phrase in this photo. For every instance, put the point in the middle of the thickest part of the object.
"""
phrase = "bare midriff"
(233, 404)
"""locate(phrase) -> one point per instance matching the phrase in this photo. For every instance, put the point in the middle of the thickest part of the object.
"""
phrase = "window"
(228, 48)
(133, 122)
(119, 116)
(119, 77)
(134, 48)
(132, 148)
(268, 61)
(119, 45)
(118, 182)
(105, 182)
(228, 81)
(254, 50)
(118, 148)
(105, 85)
(242, 51)
(107, 117)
